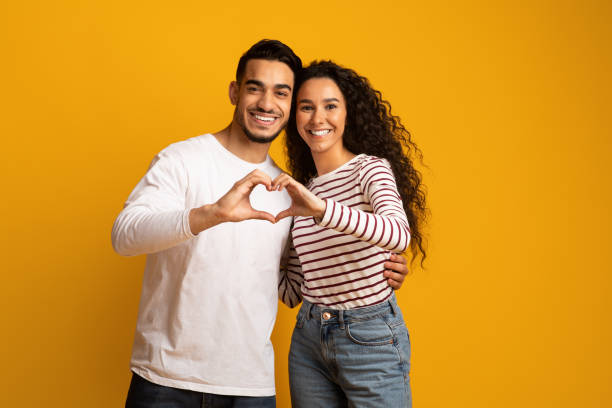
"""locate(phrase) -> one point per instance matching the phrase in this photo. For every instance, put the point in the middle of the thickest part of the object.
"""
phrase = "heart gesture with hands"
(234, 206)
(303, 202)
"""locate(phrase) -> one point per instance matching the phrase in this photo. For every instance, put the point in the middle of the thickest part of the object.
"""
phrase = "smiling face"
(263, 99)
(320, 116)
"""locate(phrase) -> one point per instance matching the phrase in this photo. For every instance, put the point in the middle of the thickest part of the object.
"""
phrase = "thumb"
(262, 215)
(283, 214)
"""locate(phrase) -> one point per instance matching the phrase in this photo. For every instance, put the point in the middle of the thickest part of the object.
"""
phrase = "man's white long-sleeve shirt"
(208, 302)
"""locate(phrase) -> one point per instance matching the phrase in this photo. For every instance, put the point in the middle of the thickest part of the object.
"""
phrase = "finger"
(292, 184)
(280, 181)
(394, 284)
(298, 188)
(250, 178)
(395, 280)
(254, 173)
(394, 276)
(397, 267)
(284, 214)
(262, 215)
(283, 183)
(398, 258)
(255, 179)
(279, 177)
(259, 172)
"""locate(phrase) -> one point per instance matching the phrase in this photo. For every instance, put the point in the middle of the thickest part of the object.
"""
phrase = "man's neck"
(234, 140)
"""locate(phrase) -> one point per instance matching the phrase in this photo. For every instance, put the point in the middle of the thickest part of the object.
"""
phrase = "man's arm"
(291, 276)
(155, 216)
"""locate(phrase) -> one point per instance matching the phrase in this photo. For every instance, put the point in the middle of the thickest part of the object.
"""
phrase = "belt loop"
(308, 315)
(393, 306)
(341, 319)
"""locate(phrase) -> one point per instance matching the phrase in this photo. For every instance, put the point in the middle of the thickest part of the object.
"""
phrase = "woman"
(363, 201)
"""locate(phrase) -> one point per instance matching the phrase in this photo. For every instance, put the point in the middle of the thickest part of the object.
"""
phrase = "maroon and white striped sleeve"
(291, 277)
(387, 225)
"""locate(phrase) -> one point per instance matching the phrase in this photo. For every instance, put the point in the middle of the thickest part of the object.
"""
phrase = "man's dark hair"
(271, 50)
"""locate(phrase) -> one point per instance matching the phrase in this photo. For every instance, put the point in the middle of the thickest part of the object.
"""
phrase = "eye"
(282, 94)
(331, 106)
(252, 89)
(305, 108)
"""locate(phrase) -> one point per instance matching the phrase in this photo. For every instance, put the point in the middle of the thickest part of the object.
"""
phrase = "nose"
(318, 116)
(266, 103)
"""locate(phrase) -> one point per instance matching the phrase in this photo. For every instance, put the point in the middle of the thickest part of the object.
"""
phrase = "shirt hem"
(207, 388)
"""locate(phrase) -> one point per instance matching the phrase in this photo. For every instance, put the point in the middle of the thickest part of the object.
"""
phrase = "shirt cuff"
(330, 206)
(186, 227)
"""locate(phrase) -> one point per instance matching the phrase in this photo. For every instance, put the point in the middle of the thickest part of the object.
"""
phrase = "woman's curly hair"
(370, 128)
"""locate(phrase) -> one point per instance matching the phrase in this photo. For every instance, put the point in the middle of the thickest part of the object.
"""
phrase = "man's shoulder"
(185, 153)
(187, 146)
(189, 151)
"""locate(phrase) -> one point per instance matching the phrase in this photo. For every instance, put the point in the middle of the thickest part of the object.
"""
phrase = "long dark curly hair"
(370, 128)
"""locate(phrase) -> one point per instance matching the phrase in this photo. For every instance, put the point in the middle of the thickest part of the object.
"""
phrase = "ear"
(233, 92)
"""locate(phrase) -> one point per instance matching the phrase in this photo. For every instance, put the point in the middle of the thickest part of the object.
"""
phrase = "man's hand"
(303, 202)
(234, 206)
(396, 270)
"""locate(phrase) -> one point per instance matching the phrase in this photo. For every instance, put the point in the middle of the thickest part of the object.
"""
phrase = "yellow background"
(509, 101)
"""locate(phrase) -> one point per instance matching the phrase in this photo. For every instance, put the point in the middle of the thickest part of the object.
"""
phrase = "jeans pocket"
(371, 332)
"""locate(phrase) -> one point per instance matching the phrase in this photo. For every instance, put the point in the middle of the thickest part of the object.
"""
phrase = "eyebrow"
(261, 84)
(324, 100)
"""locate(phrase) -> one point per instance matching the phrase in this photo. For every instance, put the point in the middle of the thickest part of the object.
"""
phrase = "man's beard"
(259, 139)
(255, 138)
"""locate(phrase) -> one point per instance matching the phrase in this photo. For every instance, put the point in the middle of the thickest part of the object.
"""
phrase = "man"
(209, 294)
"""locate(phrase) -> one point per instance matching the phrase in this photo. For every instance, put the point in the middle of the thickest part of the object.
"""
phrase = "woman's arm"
(386, 227)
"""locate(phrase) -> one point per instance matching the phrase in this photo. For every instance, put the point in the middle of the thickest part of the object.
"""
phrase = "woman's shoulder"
(366, 161)
(374, 169)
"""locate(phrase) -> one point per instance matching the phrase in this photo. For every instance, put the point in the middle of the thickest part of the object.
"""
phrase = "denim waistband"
(328, 315)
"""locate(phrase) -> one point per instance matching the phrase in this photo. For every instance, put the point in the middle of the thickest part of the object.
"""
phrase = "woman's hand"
(396, 270)
(303, 202)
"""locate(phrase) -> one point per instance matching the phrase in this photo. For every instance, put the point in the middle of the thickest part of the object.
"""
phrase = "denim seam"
(403, 362)
(395, 324)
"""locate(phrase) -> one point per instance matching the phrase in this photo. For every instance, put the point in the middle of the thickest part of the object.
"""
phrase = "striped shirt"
(338, 261)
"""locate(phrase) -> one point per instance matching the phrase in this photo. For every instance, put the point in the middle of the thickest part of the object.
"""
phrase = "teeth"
(319, 132)
(264, 118)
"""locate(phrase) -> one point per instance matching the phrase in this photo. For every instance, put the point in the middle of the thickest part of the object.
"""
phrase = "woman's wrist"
(320, 210)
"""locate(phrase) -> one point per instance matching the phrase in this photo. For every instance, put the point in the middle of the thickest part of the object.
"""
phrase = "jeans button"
(326, 316)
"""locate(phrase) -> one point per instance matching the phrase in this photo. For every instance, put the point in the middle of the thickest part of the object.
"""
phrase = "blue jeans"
(145, 394)
(350, 358)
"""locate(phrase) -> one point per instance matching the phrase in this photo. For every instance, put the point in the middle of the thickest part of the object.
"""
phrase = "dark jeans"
(145, 394)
